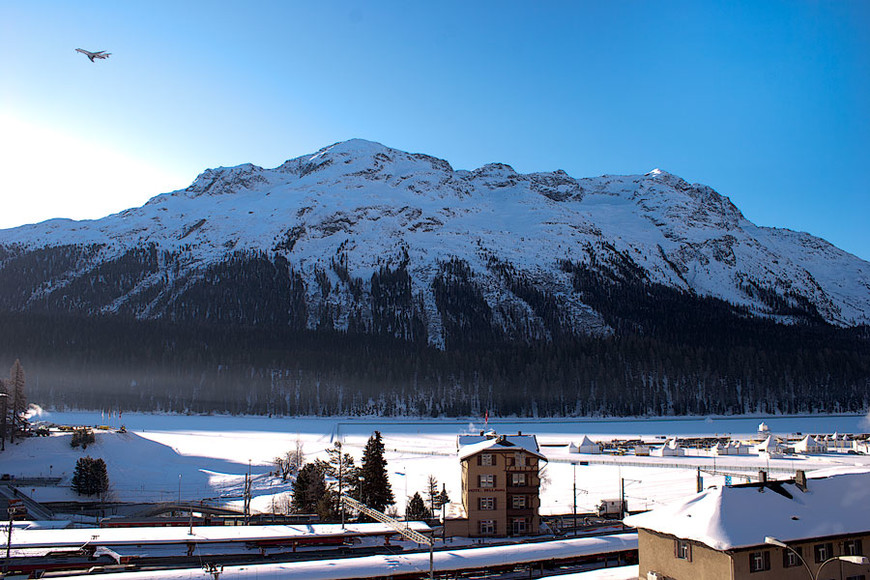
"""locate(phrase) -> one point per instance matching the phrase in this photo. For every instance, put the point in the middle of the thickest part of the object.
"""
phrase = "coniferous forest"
(223, 348)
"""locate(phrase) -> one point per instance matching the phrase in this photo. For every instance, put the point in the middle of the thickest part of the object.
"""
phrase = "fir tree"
(19, 400)
(432, 492)
(342, 479)
(308, 489)
(374, 485)
(417, 510)
(90, 477)
(4, 394)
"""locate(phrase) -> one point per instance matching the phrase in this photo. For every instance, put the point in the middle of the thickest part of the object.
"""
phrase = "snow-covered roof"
(527, 443)
(767, 445)
(836, 502)
(201, 534)
(403, 563)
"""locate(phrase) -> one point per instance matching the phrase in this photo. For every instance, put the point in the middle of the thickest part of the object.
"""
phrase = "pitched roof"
(526, 443)
(836, 502)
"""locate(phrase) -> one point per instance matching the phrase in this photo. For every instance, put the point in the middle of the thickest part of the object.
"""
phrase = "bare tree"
(291, 462)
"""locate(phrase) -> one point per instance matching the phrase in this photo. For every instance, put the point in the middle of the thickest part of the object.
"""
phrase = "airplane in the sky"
(93, 55)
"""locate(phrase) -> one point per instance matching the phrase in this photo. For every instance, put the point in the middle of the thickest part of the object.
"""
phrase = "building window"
(823, 552)
(518, 479)
(486, 527)
(485, 459)
(790, 559)
(759, 561)
(683, 550)
(518, 502)
(519, 526)
(486, 503)
(852, 548)
(487, 480)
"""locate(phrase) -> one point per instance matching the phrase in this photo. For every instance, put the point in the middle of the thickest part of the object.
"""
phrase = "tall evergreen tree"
(19, 399)
(4, 405)
(90, 476)
(374, 485)
(308, 489)
(417, 510)
(342, 477)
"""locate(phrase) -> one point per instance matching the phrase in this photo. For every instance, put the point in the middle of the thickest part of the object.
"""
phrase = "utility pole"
(16, 508)
(340, 481)
(574, 508)
(247, 502)
(8, 544)
(5, 398)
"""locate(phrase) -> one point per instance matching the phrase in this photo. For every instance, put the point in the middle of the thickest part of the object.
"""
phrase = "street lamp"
(774, 542)
(405, 476)
(859, 560)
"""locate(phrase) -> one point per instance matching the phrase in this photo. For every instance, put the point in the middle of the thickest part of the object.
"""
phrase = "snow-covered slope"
(344, 213)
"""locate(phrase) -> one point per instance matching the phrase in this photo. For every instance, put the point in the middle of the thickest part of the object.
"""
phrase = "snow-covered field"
(164, 457)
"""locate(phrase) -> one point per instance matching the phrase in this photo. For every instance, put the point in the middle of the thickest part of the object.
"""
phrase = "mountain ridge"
(369, 207)
(365, 280)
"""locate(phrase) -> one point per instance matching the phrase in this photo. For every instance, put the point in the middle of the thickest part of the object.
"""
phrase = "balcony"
(522, 490)
(521, 468)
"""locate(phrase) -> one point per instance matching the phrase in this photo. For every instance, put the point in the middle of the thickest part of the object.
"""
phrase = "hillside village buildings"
(763, 531)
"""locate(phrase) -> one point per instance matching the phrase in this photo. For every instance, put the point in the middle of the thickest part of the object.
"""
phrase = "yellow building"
(773, 530)
(500, 486)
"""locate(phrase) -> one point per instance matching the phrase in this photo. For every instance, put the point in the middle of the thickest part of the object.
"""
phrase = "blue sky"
(767, 102)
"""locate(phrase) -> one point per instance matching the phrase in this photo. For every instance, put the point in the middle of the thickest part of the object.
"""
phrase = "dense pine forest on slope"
(365, 280)
(671, 353)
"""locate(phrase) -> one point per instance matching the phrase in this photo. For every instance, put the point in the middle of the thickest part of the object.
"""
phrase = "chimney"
(800, 480)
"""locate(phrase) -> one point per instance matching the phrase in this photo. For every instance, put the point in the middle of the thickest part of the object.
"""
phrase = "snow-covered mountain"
(362, 236)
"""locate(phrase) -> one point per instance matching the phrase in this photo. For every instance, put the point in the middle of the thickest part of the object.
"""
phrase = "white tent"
(669, 449)
(768, 446)
(586, 445)
(810, 445)
(738, 448)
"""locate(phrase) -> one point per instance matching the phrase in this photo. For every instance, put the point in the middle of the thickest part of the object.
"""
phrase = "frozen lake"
(343, 426)
(191, 457)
